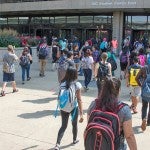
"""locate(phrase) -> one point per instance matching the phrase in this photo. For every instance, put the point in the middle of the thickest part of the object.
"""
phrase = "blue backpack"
(43, 50)
(103, 45)
(148, 58)
(146, 86)
(67, 99)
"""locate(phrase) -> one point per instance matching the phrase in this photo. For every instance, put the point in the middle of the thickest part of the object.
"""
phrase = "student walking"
(25, 60)
(87, 65)
(42, 51)
(144, 76)
(102, 70)
(73, 102)
(100, 122)
(9, 59)
(131, 81)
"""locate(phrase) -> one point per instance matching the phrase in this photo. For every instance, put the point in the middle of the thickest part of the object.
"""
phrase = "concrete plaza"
(27, 121)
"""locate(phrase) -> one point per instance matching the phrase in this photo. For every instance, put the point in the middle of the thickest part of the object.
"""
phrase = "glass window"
(59, 20)
(86, 19)
(13, 20)
(139, 19)
(100, 19)
(149, 19)
(72, 19)
(23, 20)
(52, 20)
(3, 21)
(36, 20)
(45, 20)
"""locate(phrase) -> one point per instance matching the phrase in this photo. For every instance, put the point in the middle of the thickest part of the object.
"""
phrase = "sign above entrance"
(114, 3)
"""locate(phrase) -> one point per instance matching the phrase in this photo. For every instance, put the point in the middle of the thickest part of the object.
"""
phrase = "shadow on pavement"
(137, 129)
(41, 114)
(31, 147)
(37, 114)
(41, 101)
(63, 147)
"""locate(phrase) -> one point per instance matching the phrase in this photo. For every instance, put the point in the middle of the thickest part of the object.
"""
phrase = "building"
(81, 18)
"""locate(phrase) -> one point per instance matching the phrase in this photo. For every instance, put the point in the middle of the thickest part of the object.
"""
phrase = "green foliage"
(9, 37)
(33, 41)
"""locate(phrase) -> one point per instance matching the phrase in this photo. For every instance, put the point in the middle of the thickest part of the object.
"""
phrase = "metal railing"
(21, 1)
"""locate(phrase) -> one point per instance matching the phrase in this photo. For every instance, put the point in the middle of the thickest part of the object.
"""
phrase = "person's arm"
(109, 67)
(78, 94)
(96, 70)
(141, 74)
(127, 78)
(129, 134)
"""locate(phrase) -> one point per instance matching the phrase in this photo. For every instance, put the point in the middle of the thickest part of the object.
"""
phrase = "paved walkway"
(27, 121)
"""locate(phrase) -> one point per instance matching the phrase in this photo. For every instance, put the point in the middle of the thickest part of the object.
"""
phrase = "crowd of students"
(94, 60)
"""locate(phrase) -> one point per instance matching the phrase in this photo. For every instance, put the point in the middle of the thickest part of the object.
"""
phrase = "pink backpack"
(142, 60)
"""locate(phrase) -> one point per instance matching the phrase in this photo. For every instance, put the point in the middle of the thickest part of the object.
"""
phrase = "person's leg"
(64, 118)
(40, 64)
(74, 125)
(148, 118)
(23, 74)
(85, 77)
(28, 72)
(144, 109)
(144, 115)
(89, 76)
(43, 66)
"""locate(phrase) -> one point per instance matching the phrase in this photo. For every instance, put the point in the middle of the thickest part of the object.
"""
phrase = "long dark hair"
(108, 96)
(71, 76)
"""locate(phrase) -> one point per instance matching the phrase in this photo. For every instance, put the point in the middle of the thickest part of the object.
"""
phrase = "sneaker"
(143, 126)
(57, 147)
(15, 90)
(75, 141)
(23, 83)
(28, 78)
(2, 93)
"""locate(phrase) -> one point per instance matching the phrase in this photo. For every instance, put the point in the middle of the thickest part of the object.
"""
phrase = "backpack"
(146, 86)
(96, 56)
(24, 60)
(43, 50)
(63, 63)
(133, 74)
(102, 71)
(67, 100)
(124, 57)
(112, 62)
(103, 45)
(103, 130)
(142, 60)
(148, 59)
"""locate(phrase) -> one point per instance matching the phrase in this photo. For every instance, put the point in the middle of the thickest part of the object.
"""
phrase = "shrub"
(9, 37)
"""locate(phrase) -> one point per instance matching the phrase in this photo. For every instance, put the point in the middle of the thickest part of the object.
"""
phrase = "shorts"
(135, 91)
(77, 61)
(8, 77)
(123, 66)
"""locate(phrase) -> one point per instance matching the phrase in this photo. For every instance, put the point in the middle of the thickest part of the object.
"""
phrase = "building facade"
(84, 19)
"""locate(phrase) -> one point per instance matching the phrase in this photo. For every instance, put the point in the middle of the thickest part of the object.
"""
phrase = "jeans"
(144, 111)
(25, 70)
(87, 76)
(65, 117)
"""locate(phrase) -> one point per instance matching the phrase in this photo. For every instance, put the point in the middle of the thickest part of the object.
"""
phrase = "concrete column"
(118, 28)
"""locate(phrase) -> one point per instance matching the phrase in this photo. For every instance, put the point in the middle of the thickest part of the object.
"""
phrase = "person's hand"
(128, 84)
(81, 119)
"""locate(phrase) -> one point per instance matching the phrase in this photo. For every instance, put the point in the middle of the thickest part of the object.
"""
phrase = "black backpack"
(112, 62)
(102, 71)
(103, 130)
